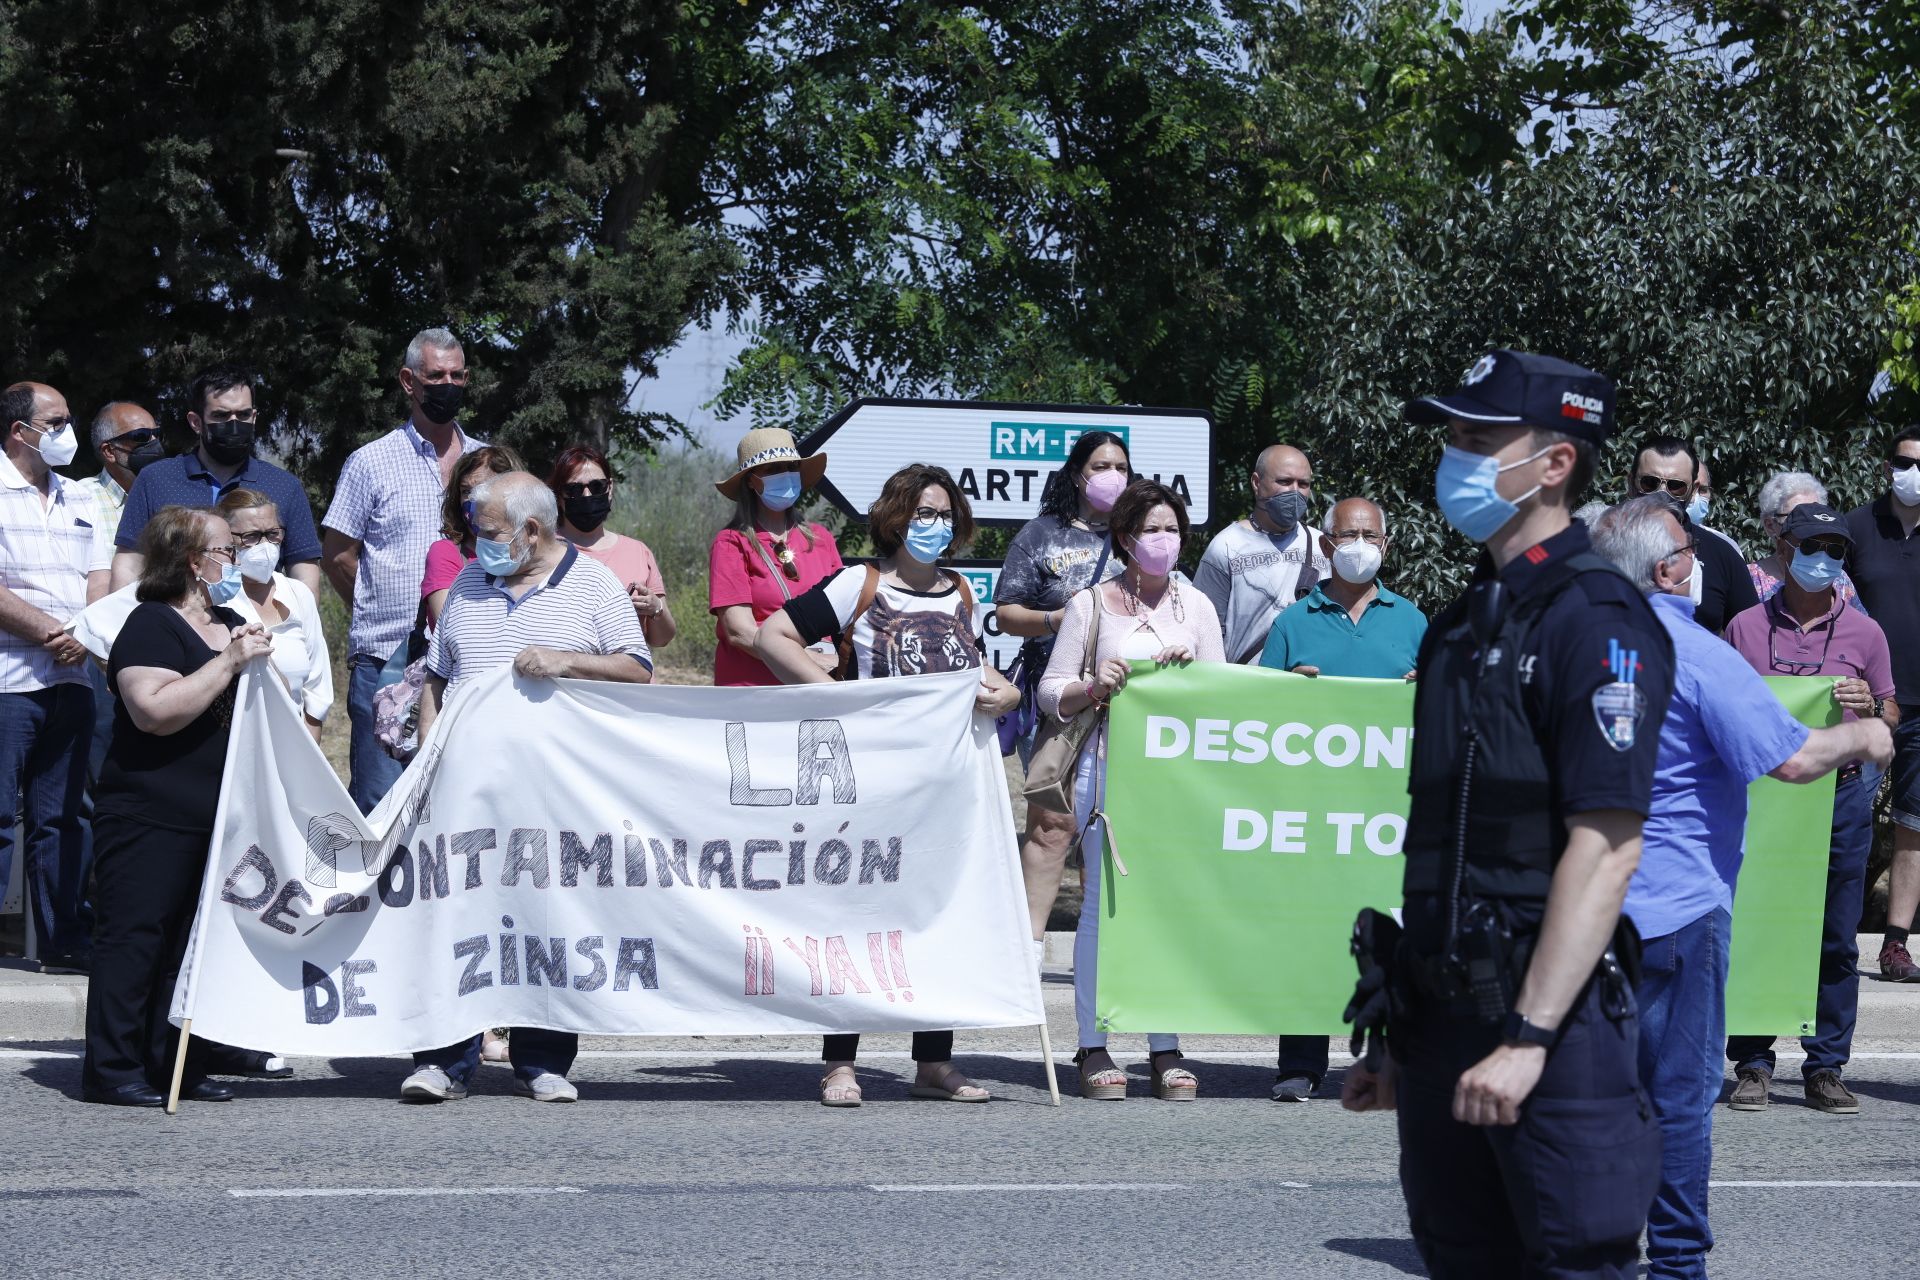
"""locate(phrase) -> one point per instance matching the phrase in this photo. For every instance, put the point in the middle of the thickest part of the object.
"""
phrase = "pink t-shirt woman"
(738, 574)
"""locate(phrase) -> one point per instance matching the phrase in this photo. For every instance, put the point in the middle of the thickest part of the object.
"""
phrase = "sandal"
(1174, 1084)
(1108, 1084)
(947, 1090)
(838, 1088)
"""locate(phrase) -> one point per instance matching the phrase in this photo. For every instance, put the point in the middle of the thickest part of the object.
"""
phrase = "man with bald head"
(1258, 566)
(531, 601)
(52, 565)
(1347, 625)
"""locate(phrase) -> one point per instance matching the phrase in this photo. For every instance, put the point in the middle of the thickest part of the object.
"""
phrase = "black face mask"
(440, 401)
(228, 443)
(587, 513)
(147, 454)
(1285, 508)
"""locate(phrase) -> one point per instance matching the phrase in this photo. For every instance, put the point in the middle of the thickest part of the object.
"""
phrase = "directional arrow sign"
(1002, 454)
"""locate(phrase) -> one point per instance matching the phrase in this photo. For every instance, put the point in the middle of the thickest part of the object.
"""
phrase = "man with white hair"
(529, 599)
(385, 514)
(1348, 625)
(1724, 729)
(125, 439)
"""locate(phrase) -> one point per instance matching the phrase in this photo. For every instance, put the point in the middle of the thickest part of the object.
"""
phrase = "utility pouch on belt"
(1483, 963)
(1375, 946)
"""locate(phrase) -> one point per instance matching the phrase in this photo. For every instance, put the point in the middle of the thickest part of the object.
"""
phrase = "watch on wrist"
(1879, 708)
(1519, 1031)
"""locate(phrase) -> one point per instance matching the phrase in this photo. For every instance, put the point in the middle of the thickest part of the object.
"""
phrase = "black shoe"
(127, 1095)
(251, 1064)
(205, 1091)
(72, 963)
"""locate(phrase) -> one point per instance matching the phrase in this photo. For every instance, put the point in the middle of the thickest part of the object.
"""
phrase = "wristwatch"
(1879, 708)
(1520, 1031)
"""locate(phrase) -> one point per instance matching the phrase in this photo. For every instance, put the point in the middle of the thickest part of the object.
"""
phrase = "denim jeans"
(533, 1051)
(45, 738)
(1683, 1019)
(374, 771)
(1831, 1044)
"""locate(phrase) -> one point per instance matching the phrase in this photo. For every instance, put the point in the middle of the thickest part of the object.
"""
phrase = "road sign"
(1002, 454)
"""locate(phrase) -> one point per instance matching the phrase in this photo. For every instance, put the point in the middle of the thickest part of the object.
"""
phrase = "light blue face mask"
(1814, 570)
(228, 587)
(1697, 509)
(497, 558)
(1469, 498)
(780, 490)
(926, 542)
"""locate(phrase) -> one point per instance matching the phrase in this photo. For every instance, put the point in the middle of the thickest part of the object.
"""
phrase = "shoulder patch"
(1619, 706)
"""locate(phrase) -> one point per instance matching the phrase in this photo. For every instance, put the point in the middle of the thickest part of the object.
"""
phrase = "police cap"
(1520, 388)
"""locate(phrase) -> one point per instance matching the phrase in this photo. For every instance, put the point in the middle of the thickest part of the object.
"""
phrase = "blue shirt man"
(1723, 729)
(1348, 625)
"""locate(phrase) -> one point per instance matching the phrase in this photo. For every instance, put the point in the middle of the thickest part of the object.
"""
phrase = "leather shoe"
(127, 1095)
(205, 1091)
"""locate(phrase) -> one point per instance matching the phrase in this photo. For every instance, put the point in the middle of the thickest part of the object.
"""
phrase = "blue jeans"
(1683, 1019)
(1831, 1044)
(374, 771)
(45, 737)
(533, 1051)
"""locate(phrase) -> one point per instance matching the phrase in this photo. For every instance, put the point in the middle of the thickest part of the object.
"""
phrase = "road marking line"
(1027, 1186)
(1813, 1183)
(288, 1193)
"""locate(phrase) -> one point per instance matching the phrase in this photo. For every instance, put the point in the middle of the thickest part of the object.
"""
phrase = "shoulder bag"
(1056, 756)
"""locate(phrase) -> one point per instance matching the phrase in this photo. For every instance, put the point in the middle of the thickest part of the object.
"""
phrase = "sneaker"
(1749, 1090)
(431, 1084)
(1826, 1093)
(1294, 1088)
(547, 1087)
(1896, 963)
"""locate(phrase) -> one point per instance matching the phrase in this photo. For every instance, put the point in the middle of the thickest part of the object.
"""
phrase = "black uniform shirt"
(1885, 567)
(1569, 723)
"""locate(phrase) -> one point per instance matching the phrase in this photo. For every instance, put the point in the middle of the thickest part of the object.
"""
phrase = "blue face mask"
(781, 491)
(497, 558)
(1697, 509)
(1465, 486)
(1814, 570)
(926, 542)
(228, 587)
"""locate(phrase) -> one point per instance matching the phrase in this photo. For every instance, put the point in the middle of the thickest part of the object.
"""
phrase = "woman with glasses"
(1805, 630)
(583, 488)
(1778, 497)
(172, 669)
(284, 608)
(765, 556)
(901, 616)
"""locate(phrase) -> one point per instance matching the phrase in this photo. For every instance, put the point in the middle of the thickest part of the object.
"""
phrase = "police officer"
(1527, 1144)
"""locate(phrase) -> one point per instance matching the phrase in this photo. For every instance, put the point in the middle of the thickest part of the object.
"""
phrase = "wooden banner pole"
(1046, 1056)
(179, 1066)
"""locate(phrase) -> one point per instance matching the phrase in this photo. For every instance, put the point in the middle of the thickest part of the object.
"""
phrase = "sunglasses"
(1682, 489)
(1903, 464)
(784, 555)
(1834, 547)
(588, 488)
(136, 437)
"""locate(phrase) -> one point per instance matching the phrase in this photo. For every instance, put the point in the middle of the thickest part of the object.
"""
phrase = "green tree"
(303, 186)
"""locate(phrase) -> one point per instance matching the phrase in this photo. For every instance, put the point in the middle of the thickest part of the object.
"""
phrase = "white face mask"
(1906, 486)
(58, 448)
(258, 562)
(1357, 561)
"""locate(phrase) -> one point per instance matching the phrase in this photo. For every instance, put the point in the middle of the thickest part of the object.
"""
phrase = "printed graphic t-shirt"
(902, 633)
(1049, 562)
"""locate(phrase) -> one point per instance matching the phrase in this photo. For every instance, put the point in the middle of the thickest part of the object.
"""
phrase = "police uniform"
(1541, 694)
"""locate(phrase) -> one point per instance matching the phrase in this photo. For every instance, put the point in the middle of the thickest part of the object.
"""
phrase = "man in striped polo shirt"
(532, 601)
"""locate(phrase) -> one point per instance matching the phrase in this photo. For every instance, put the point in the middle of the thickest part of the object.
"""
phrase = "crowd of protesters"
(130, 601)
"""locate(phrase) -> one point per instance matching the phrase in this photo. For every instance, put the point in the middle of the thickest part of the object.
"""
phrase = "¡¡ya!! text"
(1294, 745)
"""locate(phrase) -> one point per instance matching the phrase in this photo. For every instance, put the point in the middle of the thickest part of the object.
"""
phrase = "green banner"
(1773, 968)
(1256, 812)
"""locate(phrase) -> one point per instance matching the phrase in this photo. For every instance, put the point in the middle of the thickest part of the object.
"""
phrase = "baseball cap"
(1520, 388)
(1813, 519)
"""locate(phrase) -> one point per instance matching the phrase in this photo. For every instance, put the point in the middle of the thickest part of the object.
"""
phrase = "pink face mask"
(1156, 553)
(1104, 489)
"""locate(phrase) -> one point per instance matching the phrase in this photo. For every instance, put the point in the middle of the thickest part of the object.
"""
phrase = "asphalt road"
(695, 1158)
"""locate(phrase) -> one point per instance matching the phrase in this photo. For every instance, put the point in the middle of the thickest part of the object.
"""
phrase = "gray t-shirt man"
(1251, 575)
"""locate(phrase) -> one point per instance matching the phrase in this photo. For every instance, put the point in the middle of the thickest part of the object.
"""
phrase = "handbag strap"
(779, 578)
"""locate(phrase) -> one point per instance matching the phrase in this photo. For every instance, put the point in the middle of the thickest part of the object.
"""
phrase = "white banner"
(620, 860)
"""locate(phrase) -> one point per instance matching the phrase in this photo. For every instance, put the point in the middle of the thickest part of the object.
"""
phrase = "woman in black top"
(172, 670)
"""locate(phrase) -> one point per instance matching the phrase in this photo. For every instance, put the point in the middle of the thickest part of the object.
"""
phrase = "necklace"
(1137, 608)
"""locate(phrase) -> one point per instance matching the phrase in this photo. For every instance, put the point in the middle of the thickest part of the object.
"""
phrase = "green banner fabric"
(1773, 968)
(1256, 812)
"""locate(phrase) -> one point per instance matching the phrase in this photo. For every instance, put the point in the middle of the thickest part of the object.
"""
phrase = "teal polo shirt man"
(1348, 625)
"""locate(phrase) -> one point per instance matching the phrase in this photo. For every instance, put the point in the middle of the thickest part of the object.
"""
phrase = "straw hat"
(765, 445)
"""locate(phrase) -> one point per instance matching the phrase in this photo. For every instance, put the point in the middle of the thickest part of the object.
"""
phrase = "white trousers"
(1088, 784)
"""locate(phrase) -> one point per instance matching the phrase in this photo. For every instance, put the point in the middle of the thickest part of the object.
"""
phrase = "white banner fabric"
(618, 860)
